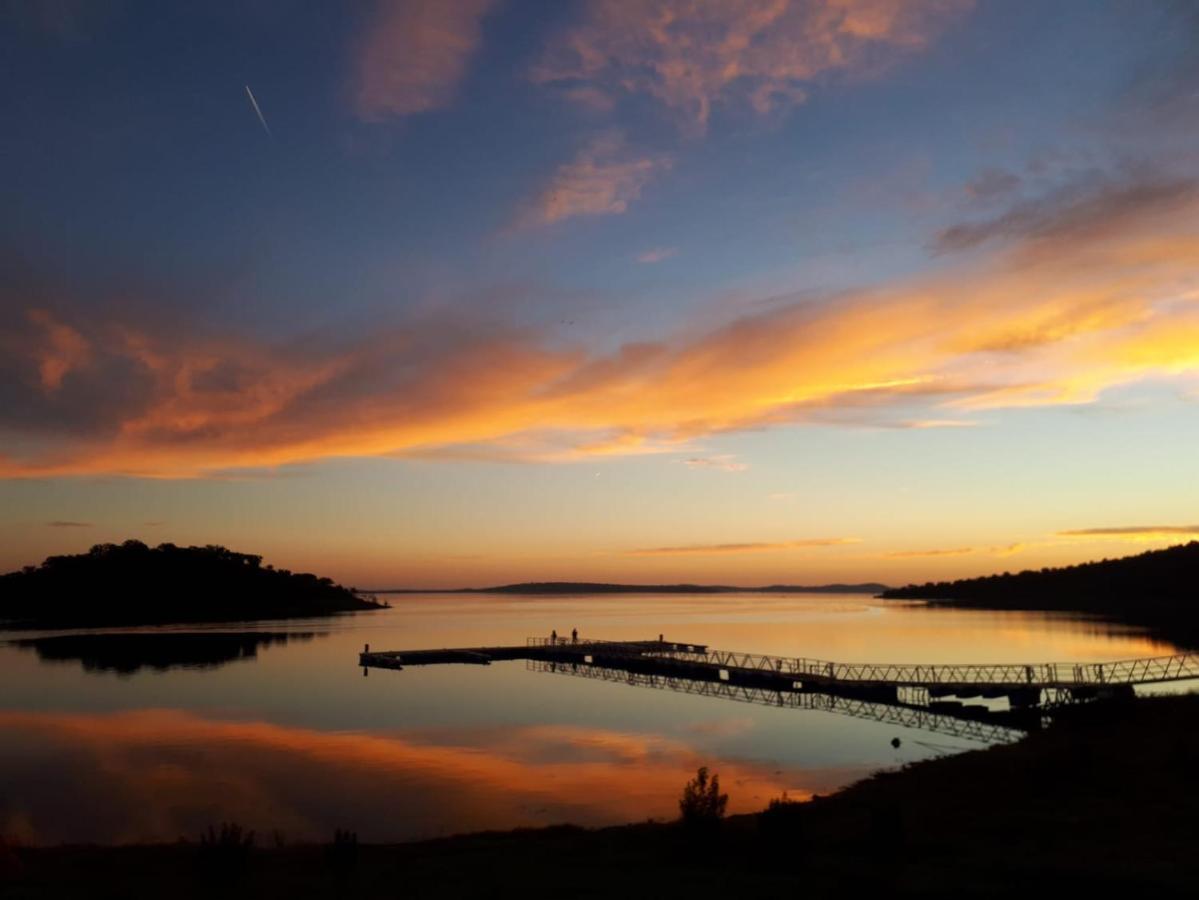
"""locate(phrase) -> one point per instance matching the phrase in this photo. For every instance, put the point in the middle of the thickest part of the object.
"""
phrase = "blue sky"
(787, 291)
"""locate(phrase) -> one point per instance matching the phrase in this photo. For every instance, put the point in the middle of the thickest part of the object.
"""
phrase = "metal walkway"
(1023, 684)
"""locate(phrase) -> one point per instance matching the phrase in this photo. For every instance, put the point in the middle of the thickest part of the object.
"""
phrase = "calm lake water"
(287, 735)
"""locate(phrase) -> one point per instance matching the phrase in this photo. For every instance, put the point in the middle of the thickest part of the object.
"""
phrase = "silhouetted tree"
(702, 805)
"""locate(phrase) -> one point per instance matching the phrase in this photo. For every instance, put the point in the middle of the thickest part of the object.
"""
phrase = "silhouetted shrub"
(782, 821)
(342, 855)
(10, 865)
(702, 805)
(224, 855)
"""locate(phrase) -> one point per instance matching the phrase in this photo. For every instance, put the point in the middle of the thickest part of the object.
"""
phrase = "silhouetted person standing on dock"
(554, 636)
(574, 635)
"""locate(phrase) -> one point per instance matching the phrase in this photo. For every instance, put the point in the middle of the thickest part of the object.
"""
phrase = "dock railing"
(1119, 672)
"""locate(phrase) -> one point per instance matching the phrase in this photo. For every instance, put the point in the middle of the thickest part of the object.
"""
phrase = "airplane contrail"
(261, 117)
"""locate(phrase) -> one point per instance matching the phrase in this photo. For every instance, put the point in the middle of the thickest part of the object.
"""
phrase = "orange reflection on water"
(159, 774)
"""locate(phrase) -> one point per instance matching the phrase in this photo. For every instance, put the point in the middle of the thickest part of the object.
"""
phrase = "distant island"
(594, 587)
(1158, 588)
(134, 584)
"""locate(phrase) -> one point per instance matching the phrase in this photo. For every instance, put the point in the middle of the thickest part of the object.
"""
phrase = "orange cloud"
(603, 179)
(63, 350)
(414, 55)
(1020, 328)
(722, 549)
(762, 53)
(135, 776)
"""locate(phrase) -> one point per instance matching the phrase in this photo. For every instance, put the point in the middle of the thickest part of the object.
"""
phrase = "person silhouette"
(574, 635)
(554, 636)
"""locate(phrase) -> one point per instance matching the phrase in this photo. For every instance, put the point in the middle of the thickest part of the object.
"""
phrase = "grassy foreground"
(1105, 799)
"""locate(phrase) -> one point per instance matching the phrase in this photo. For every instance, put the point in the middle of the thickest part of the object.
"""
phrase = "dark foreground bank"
(1104, 800)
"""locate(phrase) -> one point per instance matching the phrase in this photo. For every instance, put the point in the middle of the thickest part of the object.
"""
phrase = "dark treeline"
(1157, 589)
(133, 584)
(1167, 576)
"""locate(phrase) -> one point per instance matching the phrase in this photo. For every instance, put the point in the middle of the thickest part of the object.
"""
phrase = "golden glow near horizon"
(792, 292)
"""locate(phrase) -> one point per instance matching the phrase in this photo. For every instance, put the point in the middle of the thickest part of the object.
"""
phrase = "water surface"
(288, 737)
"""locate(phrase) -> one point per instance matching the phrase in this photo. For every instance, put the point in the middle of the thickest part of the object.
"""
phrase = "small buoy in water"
(895, 742)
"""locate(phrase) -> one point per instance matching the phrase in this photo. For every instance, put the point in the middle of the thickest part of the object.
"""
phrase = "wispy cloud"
(992, 184)
(753, 547)
(937, 423)
(656, 255)
(602, 180)
(1009, 549)
(414, 55)
(1095, 205)
(63, 523)
(1152, 532)
(761, 54)
(917, 554)
(724, 462)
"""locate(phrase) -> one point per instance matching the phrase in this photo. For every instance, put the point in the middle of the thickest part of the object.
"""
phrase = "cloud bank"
(1019, 327)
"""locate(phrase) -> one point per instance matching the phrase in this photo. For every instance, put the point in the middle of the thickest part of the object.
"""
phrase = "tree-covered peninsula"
(134, 584)
(1157, 577)
(1158, 589)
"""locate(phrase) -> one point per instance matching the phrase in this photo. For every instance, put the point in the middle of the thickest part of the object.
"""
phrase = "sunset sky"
(436, 293)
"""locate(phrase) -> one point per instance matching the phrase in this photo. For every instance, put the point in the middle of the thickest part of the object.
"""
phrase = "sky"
(427, 293)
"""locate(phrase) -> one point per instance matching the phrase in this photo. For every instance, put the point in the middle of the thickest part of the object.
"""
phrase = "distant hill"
(133, 584)
(1157, 578)
(591, 587)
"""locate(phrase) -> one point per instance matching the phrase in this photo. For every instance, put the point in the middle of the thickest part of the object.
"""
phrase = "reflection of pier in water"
(881, 691)
(974, 724)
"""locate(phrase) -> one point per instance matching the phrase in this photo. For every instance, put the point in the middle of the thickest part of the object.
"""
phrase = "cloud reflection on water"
(158, 774)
